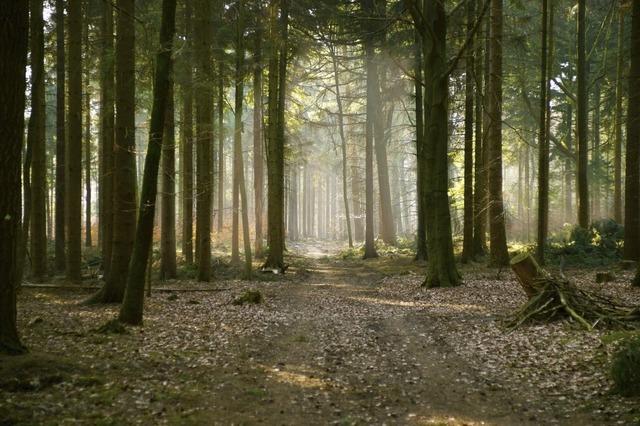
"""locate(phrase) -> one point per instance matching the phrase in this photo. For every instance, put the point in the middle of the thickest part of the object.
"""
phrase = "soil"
(334, 341)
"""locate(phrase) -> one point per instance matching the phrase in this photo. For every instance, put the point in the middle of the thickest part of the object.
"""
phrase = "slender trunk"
(186, 157)
(36, 137)
(258, 148)
(107, 124)
(583, 117)
(168, 205)
(480, 187)
(467, 244)
(220, 147)
(617, 157)
(595, 159)
(87, 138)
(343, 142)
(568, 163)
(73, 156)
(543, 141)
(60, 138)
(421, 234)
(132, 306)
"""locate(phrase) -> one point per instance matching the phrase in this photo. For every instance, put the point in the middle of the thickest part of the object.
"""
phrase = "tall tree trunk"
(543, 141)
(203, 38)
(14, 21)
(186, 157)
(124, 161)
(258, 147)
(275, 140)
(107, 119)
(583, 117)
(568, 163)
(371, 76)
(168, 204)
(132, 306)
(421, 234)
(632, 184)
(87, 134)
(498, 250)
(292, 231)
(441, 269)
(220, 79)
(60, 138)
(343, 142)
(73, 156)
(480, 182)
(596, 154)
(467, 241)
(617, 157)
(37, 141)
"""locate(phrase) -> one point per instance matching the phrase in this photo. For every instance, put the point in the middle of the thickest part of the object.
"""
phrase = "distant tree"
(36, 139)
(617, 154)
(14, 21)
(132, 306)
(258, 142)
(372, 86)
(467, 241)
(60, 138)
(583, 120)
(73, 155)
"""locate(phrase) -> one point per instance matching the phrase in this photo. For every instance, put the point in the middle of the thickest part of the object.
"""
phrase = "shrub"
(625, 369)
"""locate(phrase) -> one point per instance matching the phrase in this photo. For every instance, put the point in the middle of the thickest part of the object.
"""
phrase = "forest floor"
(334, 341)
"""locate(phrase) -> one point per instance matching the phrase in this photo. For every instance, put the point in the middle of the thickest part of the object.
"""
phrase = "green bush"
(598, 245)
(625, 369)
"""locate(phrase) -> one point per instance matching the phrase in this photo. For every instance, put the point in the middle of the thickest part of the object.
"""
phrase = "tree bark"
(275, 140)
(60, 138)
(582, 122)
(543, 143)
(73, 156)
(617, 156)
(168, 204)
(132, 306)
(480, 182)
(632, 184)
(467, 241)
(498, 249)
(87, 134)
(421, 234)
(36, 139)
(186, 157)
(258, 147)
(107, 119)
(343, 142)
(14, 36)
(203, 39)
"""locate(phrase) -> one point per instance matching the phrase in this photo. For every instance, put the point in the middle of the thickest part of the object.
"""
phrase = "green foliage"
(625, 369)
(598, 245)
(252, 297)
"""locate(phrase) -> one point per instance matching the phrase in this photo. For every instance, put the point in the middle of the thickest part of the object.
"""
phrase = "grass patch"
(625, 369)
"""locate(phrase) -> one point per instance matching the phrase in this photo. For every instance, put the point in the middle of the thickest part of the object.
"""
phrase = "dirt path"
(334, 342)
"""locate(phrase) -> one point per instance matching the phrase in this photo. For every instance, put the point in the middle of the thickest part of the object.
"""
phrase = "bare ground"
(334, 342)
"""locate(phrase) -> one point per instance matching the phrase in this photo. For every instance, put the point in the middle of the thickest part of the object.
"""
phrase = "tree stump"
(605, 277)
(528, 272)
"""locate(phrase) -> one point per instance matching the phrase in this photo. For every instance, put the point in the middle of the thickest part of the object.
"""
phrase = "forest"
(344, 212)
